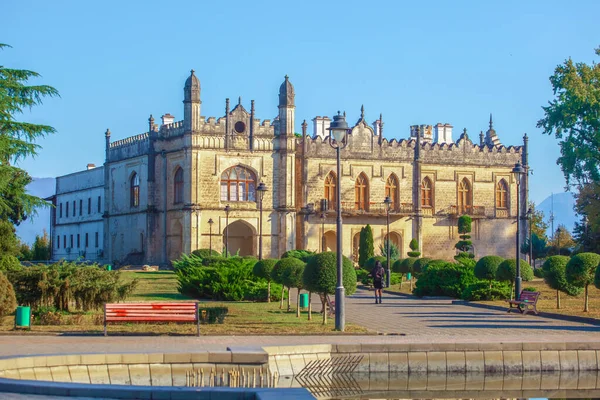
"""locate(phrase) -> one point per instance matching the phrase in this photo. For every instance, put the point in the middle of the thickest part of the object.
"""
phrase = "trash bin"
(303, 300)
(22, 317)
(109, 267)
(408, 276)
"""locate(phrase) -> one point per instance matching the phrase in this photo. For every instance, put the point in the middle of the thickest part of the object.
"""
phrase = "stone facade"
(166, 190)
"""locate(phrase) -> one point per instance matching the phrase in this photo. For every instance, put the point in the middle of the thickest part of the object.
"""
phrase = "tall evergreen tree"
(366, 248)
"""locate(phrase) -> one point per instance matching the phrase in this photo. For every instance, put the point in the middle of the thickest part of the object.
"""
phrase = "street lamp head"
(227, 209)
(210, 221)
(529, 212)
(338, 128)
(261, 189)
(388, 202)
(517, 171)
(323, 215)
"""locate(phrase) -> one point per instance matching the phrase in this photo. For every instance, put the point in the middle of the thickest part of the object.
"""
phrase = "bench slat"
(142, 311)
(144, 319)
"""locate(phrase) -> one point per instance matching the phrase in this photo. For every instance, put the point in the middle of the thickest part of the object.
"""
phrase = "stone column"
(418, 212)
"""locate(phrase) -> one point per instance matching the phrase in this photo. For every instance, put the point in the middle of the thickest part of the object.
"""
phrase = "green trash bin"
(303, 300)
(109, 267)
(408, 276)
(23, 317)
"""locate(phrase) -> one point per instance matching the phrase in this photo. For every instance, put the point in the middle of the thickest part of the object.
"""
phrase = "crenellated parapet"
(172, 130)
(130, 147)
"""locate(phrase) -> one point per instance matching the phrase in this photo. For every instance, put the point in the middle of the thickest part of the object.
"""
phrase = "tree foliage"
(414, 247)
(587, 231)
(293, 271)
(320, 274)
(41, 247)
(365, 247)
(394, 251)
(487, 266)
(464, 228)
(303, 255)
(8, 300)
(581, 272)
(555, 268)
(507, 271)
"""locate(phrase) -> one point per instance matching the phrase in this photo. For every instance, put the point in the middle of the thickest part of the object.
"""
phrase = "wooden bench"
(527, 302)
(152, 312)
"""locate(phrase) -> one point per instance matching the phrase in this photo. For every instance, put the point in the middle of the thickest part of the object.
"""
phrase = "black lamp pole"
(261, 189)
(227, 209)
(338, 130)
(388, 205)
(518, 171)
(529, 218)
(210, 224)
(323, 216)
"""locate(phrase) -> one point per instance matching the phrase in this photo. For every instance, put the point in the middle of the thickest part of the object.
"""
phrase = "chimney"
(91, 166)
(443, 133)
(320, 126)
(426, 132)
(167, 119)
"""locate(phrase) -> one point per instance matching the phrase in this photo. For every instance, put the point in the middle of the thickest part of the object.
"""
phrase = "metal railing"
(476, 211)
(353, 208)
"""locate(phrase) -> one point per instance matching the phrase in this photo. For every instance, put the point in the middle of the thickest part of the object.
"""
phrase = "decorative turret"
(191, 103)
(491, 139)
(286, 108)
(286, 93)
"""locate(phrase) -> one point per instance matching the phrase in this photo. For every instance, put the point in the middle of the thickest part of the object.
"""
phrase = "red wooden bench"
(527, 302)
(151, 312)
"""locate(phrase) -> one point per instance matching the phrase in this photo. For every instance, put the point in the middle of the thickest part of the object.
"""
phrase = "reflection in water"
(584, 384)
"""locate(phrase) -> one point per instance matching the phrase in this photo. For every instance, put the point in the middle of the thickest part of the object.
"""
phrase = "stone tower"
(191, 103)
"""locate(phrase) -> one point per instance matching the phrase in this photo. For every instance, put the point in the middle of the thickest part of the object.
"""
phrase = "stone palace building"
(164, 192)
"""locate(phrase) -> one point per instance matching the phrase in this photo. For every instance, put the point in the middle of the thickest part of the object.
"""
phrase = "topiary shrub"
(464, 228)
(203, 253)
(581, 271)
(293, 271)
(286, 276)
(320, 276)
(407, 266)
(486, 290)
(302, 255)
(420, 264)
(538, 272)
(444, 279)
(414, 246)
(263, 269)
(433, 262)
(8, 300)
(554, 272)
(370, 264)
(507, 271)
(486, 268)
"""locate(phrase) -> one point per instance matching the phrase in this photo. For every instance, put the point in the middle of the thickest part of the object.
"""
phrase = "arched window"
(392, 191)
(134, 190)
(178, 186)
(502, 194)
(238, 184)
(426, 193)
(330, 183)
(464, 197)
(361, 193)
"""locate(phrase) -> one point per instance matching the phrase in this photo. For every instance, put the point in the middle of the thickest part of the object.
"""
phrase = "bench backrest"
(173, 311)
(531, 297)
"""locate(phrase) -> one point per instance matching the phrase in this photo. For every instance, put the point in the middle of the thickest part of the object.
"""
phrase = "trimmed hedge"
(302, 255)
(487, 266)
(370, 264)
(203, 253)
(481, 290)
(446, 279)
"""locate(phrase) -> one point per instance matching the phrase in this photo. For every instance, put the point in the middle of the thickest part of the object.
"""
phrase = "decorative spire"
(240, 100)
(481, 138)
(491, 122)
(107, 133)
(151, 123)
(344, 114)
(464, 135)
(362, 111)
(304, 125)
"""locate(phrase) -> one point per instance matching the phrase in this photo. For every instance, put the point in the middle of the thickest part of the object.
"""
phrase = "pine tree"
(366, 249)
(41, 247)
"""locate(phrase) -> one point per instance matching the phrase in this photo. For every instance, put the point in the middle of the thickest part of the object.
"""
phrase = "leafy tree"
(587, 231)
(293, 272)
(277, 277)
(25, 253)
(555, 268)
(394, 251)
(263, 269)
(562, 242)
(320, 276)
(572, 117)
(283, 266)
(464, 244)
(538, 225)
(41, 247)
(365, 247)
(414, 247)
(507, 272)
(487, 267)
(406, 266)
(8, 300)
(540, 247)
(580, 272)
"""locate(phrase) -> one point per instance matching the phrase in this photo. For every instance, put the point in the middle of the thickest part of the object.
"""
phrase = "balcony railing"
(502, 213)
(475, 211)
(352, 208)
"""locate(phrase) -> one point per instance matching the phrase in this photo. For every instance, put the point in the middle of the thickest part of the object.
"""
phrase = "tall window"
(65, 241)
(135, 190)
(238, 184)
(96, 239)
(330, 183)
(361, 193)
(67, 210)
(60, 208)
(78, 241)
(426, 193)
(178, 186)
(58, 242)
(80, 207)
(391, 191)
(71, 240)
(74, 208)
(502, 194)
(464, 196)
(89, 205)
(87, 242)
(99, 203)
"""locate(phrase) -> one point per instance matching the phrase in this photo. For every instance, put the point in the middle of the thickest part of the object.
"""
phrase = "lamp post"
(227, 209)
(338, 130)
(261, 189)
(558, 230)
(388, 205)
(518, 171)
(323, 216)
(210, 224)
(529, 217)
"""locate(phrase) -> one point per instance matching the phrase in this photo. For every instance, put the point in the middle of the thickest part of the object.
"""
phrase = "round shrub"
(293, 270)
(203, 253)
(597, 278)
(303, 255)
(395, 278)
(413, 254)
(434, 263)
(555, 268)
(487, 266)
(507, 271)
(370, 264)
(9, 263)
(8, 300)
(263, 268)
(407, 265)
(538, 272)
(482, 291)
(444, 279)
(581, 269)
(420, 264)
(320, 274)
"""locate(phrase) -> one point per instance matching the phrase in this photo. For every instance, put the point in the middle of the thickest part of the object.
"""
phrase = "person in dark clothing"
(378, 274)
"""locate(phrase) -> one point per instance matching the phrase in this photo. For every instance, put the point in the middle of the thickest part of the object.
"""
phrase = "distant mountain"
(28, 229)
(563, 210)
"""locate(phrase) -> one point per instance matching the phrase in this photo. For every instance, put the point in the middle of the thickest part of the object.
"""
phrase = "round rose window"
(239, 127)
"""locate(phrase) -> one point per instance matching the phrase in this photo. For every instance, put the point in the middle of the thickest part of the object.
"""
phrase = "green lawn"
(154, 286)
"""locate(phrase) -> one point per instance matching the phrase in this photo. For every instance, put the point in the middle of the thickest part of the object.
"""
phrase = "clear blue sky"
(115, 63)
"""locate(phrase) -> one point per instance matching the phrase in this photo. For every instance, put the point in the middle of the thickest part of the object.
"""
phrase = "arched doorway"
(396, 239)
(330, 241)
(240, 236)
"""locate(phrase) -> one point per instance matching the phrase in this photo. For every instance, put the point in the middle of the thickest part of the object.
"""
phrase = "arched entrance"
(330, 241)
(396, 239)
(240, 237)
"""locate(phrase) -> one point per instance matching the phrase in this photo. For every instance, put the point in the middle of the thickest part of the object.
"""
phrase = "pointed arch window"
(330, 184)
(426, 193)
(392, 191)
(238, 184)
(465, 196)
(178, 186)
(502, 194)
(134, 190)
(361, 193)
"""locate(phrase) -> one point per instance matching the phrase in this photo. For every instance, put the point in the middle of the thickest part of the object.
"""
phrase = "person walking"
(378, 274)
